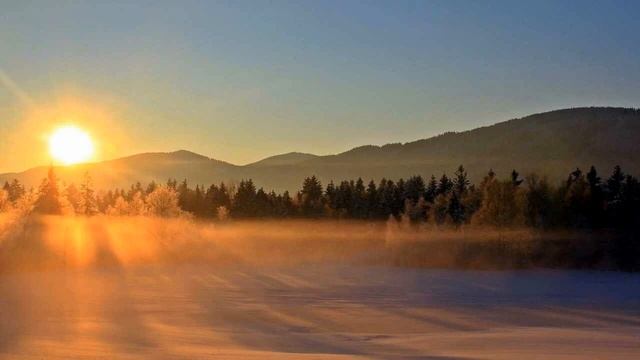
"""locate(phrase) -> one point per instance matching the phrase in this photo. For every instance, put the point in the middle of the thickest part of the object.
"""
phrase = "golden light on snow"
(70, 145)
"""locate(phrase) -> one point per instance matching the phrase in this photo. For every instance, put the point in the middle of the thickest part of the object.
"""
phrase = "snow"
(319, 311)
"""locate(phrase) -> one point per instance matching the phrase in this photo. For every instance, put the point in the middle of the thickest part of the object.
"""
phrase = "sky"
(242, 80)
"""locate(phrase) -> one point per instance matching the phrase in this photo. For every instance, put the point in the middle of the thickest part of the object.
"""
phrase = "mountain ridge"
(551, 143)
(293, 157)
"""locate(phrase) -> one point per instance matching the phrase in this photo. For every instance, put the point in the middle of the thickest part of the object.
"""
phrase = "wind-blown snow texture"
(318, 311)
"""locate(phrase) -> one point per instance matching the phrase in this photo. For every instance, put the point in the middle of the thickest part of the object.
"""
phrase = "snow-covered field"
(317, 311)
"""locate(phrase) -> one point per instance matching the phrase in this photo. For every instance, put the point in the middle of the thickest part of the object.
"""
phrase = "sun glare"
(70, 145)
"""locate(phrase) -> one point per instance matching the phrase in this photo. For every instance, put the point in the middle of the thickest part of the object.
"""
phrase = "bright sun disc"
(70, 145)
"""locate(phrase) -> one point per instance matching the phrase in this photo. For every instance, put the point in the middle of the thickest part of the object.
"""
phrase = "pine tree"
(630, 204)
(14, 190)
(359, 206)
(330, 194)
(398, 198)
(614, 184)
(414, 188)
(87, 205)
(593, 178)
(48, 201)
(444, 185)
(172, 184)
(217, 196)
(287, 205)
(432, 190)
(185, 198)
(613, 195)
(595, 207)
(471, 201)
(244, 201)
(135, 188)
(105, 200)
(199, 207)
(152, 186)
(263, 205)
(438, 212)
(344, 196)
(455, 210)
(5, 202)
(311, 201)
(576, 200)
(386, 190)
(72, 194)
(373, 201)
(461, 181)
(538, 204)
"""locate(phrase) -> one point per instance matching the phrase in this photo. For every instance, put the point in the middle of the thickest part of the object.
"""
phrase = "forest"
(583, 222)
(584, 200)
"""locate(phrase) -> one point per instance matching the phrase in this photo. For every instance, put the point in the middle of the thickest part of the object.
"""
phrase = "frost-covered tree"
(119, 208)
(87, 204)
(72, 196)
(14, 190)
(222, 213)
(137, 205)
(5, 201)
(499, 205)
(163, 202)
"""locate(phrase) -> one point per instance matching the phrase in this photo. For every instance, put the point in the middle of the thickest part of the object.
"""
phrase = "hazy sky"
(239, 81)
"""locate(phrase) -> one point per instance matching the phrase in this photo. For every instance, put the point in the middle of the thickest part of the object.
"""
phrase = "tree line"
(583, 200)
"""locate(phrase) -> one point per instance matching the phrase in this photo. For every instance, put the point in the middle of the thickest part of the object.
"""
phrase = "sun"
(70, 145)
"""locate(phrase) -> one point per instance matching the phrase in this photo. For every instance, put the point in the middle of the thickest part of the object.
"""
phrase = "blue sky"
(239, 81)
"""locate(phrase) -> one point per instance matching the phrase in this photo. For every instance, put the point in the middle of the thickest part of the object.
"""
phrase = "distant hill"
(551, 143)
(144, 167)
(291, 158)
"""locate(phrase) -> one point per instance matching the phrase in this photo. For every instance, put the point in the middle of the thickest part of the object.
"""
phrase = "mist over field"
(78, 242)
(141, 287)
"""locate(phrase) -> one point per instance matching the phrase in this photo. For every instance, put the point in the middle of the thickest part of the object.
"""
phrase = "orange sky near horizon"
(28, 136)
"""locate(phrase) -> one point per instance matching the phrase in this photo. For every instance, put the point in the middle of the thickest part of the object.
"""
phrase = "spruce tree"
(455, 210)
(14, 190)
(614, 184)
(444, 185)
(359, 206)
(88, 204)
(386, 190)
(330, 194)
(311, 201)
(244, 201)
(432, 190)
(461, 181)
(414, 188)
(372, 200)
(595, 207)
(538, 202)
(48, 201)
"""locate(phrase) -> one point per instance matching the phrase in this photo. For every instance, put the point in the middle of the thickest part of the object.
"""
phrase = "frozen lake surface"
(318, 311)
